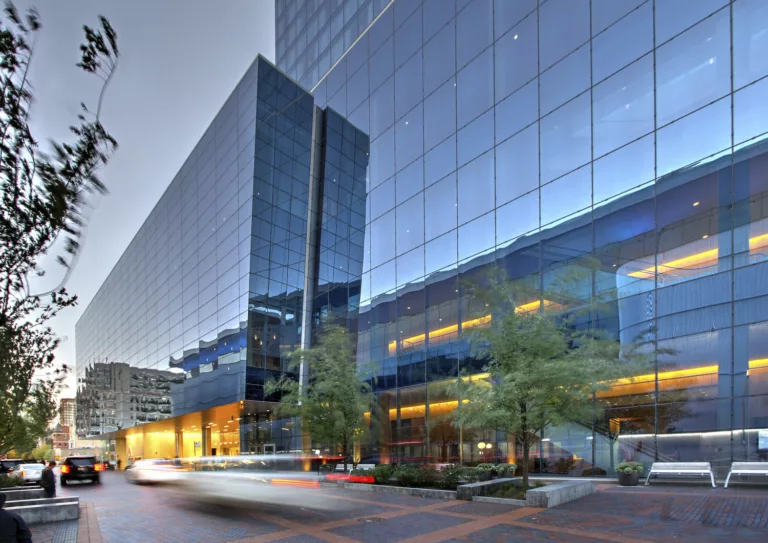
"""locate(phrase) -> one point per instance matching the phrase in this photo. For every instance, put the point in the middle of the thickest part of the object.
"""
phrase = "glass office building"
(535, 134)
(439, 137)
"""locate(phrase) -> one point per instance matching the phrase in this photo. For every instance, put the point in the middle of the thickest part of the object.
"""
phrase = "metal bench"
(747, 468)
(681, 468)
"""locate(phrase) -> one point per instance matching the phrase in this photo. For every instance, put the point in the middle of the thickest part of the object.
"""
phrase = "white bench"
(681, 468)
(747, 468)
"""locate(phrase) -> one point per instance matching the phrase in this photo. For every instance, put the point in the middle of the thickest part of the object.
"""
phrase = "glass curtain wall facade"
(535, 134)
(313, 34)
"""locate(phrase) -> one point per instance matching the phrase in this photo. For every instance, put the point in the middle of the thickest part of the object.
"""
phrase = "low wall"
(423, 492)
(49, 512)
(23, 494)
(558, 493)
(483, 488)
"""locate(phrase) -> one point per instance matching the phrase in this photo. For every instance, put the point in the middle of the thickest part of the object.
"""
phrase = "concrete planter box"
(481, 488)
(53, 511)
(16, 493)
(502, 501)
(558, 493)
(422, 492)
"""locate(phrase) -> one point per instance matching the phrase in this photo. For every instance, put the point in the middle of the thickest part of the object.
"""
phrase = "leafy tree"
(42, 195)
(335, 402)
(544, 367)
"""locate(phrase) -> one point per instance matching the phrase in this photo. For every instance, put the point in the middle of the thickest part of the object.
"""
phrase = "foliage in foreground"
(42, 196)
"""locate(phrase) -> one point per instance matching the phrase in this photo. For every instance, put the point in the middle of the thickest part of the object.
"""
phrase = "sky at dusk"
(179, 61)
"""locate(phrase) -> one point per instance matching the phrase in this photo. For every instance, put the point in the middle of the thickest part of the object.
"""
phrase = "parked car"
(7, 466)
(29, 472)
(81, 468)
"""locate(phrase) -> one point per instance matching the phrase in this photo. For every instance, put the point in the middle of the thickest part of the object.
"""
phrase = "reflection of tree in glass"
(546, 358)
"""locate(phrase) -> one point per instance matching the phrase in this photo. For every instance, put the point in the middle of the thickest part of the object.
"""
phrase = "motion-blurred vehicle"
(30, 472)
(153, 471)
(279, 479)
(8, 465)
(81, 468)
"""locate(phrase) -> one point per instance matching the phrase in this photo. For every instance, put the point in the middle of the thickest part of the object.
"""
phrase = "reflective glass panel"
(477, 236)
(440, 205)
(607, 12)
(517, 165)
(565, 80)
(693, 69)
(517, 57)
(439, 59)
(750, 112)
(566, 196)
(624, 169)
(474, 30)
(441, 252)
(627, 40)
(563, 26)
(409, 137)
(750, 41)
(410, 224)
(475, 138)
(566, 141)
(684, 141)
(476, 188)
(517, 111)
(674, 16)
(475, 88)
(623, 106)
(518, 217)
(382, 240)
(440, 114)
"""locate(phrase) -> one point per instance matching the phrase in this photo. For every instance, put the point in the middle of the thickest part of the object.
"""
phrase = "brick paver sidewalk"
(116, 512)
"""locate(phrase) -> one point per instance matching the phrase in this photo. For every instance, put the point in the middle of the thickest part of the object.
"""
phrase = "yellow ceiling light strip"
(447, 333)
(694, 260)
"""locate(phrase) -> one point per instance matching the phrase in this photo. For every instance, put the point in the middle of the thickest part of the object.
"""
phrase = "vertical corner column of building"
(314, 214)
(206, 441)
(121, 453)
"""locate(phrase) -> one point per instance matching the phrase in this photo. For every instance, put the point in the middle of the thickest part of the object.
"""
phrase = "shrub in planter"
(450, 477)
(506, 470)
(468, 475)
(406, 475)
(416, 476)
(485, 471)
(629, 473)
(10, 481)
(382, 473)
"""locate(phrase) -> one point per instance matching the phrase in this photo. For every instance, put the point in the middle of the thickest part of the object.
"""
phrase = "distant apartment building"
(67, 412)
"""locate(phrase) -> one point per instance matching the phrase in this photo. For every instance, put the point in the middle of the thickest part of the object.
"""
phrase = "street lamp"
(481, 445)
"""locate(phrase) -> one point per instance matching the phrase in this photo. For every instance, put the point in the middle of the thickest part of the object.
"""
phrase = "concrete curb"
(503, 501)
(421, 492)
(468, 491)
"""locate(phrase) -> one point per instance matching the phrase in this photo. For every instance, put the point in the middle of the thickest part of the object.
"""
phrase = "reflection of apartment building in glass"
(528, 134)
(112, 396)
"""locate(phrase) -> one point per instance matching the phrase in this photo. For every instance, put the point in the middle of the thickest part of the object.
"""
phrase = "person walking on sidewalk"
(13, 529)
(48, 480)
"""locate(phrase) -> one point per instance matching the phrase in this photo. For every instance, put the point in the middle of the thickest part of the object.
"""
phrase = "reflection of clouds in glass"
(701, 134)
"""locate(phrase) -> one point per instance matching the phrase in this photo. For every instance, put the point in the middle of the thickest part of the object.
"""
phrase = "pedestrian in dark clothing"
(48, 480)
(13, 529)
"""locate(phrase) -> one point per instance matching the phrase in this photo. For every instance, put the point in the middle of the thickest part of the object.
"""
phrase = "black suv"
(7, 466)
(81, 468)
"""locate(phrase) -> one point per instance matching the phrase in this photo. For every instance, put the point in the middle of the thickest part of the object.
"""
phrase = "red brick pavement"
(117, 512)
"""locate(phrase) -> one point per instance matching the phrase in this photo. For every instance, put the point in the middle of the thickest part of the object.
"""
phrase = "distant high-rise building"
(67, 412)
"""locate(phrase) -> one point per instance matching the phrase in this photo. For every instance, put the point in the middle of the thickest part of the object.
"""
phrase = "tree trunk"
(526, 454)
(344, 452)
(525, 442)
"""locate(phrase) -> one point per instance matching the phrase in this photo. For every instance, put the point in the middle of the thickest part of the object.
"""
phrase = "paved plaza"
(117, 512)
